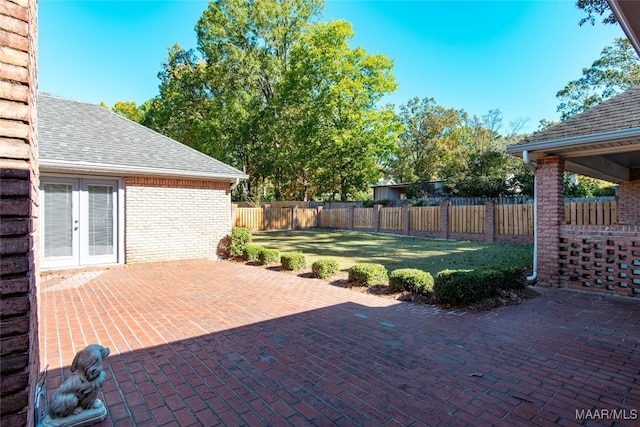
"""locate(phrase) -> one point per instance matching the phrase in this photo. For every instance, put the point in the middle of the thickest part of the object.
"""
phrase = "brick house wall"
(171, 219)
(19, 350)
(629, 200)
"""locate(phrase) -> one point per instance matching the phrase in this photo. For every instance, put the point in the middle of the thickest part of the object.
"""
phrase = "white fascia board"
(581, 140)
(120, 170)
(625, 23)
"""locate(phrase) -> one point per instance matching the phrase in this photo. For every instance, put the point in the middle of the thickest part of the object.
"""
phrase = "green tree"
(127, 109)
(329, 97)
(617, 70)
(593, 8)
(428, 144)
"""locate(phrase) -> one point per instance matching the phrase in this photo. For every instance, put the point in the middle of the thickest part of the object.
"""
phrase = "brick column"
(266, 211)
(352, 210)
(406, 219)
(550, 194)
(444, 219)
(376, 217)
(628, 200)
(294, 217)
(490, 224)
(19, 211)
(234, 214)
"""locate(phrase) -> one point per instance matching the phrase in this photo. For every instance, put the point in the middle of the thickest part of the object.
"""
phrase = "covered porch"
(603, 143)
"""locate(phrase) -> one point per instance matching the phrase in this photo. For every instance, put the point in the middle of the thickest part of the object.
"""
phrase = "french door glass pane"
(58, 220)
(100, 219)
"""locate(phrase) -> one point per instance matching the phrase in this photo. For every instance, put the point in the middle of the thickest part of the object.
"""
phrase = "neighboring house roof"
(81, 137)
(603, 142)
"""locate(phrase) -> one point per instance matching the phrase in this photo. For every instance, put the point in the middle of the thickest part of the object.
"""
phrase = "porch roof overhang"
(627, 12)
(611, 156)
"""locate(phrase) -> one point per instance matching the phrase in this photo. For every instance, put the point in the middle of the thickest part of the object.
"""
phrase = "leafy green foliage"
(269, 256)
(368, 274)
(469, 286)
(325, 268)
(293, 261)
(617, 70)
(411, 280)
(240, 237)
(251, 253)
(584, 186)
(593, 8)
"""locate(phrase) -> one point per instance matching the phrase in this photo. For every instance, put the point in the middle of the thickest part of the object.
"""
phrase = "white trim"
(64, 166)
(594, 138)
(120, 220)
(625, 24)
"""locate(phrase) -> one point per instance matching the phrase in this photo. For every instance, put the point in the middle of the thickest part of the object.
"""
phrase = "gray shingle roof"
(71, 132)
(615, 114)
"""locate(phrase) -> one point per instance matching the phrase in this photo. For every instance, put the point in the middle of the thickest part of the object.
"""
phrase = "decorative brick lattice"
(602, 259)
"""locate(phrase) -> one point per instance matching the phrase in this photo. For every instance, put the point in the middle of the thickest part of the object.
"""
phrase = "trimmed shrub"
(468, 286)
(269, 256)
(252, 252)
(325, 267)
(368, 274)
(293, 261)
(240, 237)
(411, 280)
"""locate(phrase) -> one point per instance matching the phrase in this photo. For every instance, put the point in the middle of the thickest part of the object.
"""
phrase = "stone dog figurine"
(80, 390)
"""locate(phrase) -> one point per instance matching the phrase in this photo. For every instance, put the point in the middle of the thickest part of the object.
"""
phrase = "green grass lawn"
(350, 247)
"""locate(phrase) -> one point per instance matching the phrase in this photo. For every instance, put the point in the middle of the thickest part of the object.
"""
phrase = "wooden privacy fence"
(488, 222)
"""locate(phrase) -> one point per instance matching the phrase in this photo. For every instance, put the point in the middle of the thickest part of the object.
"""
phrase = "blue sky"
(471, 55)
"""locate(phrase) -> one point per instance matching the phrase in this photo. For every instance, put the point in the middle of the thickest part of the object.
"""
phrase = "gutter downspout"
(533, 167)
(234, 185)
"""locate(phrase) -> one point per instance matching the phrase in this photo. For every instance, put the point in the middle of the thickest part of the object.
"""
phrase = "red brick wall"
(549, 192)
(629, 201)
(19, 355)
(603, 259)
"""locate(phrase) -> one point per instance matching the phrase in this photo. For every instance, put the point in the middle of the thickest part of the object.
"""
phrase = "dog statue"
(80, 391)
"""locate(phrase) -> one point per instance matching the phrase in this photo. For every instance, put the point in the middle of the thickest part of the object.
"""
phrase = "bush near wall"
(293, 261)
(469, 286)
(411, 280)
(240, 237)
(325, 268)
(368, 274)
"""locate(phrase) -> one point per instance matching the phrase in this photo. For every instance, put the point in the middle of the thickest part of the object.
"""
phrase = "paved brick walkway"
(218, 343)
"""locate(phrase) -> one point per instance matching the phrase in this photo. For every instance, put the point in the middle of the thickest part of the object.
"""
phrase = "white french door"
(79, 221)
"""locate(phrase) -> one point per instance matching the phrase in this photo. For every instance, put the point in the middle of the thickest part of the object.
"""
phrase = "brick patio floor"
(211, 343)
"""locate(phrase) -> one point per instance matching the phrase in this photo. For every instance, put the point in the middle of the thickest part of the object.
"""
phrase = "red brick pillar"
(352, 210)
(19, 211)
(294, 217)
(318, 216)
(444, 219)
(629, 200)
(550, 195)
(376, 217)
(266, 211)
(490, 224)
(406, 219)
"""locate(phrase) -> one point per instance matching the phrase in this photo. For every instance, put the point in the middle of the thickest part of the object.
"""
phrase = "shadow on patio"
(217, 343)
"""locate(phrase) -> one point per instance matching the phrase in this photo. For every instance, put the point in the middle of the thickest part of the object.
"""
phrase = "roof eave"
(627, 15)
(575, 141)
(59, 166)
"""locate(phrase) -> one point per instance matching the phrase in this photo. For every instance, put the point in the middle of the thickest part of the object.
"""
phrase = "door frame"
(79, 183)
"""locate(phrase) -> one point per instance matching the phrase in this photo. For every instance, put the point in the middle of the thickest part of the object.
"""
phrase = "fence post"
(444, 219)
(318, 216)
(376, 217)
(352, 209)
(234, 214)
(267, 215)
(294, 216)
(406, 218)
(490, 224)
